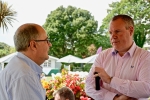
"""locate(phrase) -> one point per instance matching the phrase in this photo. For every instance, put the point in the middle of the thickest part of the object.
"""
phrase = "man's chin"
(116, 46)
(117, 49)
(47, 58)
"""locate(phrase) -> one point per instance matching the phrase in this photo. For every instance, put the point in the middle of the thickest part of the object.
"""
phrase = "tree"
(139, 10)
(71, 30)
(103, 41)
(7, 15)
(5, 49)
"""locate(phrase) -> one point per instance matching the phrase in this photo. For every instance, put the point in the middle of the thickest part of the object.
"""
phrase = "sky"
(36, 11)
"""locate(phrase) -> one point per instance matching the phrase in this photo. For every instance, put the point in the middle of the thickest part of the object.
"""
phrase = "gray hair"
(24, 34)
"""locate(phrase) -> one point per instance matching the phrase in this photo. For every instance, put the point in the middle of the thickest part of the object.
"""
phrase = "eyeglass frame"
(48, 41)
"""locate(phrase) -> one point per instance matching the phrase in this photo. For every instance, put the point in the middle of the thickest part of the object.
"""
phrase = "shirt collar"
(32, 64)
(130, 51)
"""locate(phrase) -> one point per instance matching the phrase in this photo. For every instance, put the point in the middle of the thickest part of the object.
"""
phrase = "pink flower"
(74, 82)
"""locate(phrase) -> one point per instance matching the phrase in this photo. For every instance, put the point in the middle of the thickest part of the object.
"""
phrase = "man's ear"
(131, 30)
(32, 45)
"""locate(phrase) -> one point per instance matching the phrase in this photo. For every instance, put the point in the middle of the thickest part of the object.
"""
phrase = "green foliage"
(5, 49)
(7, 15)
(102, 40)
(86, 67)
(139, 10)
(71, 30)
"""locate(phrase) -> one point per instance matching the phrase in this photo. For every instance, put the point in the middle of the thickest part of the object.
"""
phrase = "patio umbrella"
(90, 59)
(69, 59)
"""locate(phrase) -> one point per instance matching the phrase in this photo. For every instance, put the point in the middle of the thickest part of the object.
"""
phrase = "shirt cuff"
(110, 96)
(115, 82)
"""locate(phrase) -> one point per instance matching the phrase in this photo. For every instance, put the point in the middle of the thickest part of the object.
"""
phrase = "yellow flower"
(45, 84)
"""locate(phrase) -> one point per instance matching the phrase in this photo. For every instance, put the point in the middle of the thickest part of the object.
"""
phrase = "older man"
(20, 80)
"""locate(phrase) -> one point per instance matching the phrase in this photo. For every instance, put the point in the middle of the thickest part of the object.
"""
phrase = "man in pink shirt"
(124, 69)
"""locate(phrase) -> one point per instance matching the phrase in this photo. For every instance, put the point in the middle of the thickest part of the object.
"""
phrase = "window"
(47, 63)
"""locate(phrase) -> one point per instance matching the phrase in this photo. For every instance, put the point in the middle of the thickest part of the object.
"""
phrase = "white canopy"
(90, 59)
(69, 59)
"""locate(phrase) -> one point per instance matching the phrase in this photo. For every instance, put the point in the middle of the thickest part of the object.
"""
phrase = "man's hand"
(122, 97)
(102, 73)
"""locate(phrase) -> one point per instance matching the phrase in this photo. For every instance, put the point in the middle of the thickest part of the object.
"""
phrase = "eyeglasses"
(48, 40)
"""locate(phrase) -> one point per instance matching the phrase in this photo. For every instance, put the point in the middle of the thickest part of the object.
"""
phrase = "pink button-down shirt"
(131, 74)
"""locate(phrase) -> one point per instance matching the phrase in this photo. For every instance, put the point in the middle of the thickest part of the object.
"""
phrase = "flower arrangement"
(73, 81)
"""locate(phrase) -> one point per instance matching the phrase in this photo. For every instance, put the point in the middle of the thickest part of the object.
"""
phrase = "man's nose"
(50, 44)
